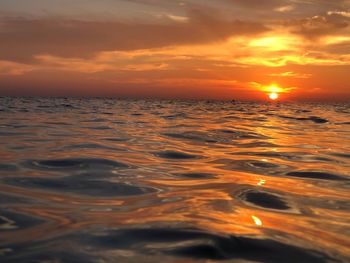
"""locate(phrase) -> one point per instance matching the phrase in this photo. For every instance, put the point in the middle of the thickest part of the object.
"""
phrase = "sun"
(273, 91)
(273, 95)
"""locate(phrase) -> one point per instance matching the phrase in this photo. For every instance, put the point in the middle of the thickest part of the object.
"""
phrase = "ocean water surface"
(105, 180)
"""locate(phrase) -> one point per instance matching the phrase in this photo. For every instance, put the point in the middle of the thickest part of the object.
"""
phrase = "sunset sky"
(219, 49)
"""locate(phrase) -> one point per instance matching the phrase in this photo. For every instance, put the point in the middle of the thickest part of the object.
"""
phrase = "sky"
(193, 49)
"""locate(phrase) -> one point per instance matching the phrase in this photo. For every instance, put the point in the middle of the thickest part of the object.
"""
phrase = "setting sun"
(273, 96)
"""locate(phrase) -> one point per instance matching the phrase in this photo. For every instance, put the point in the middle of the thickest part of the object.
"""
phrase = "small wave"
(314, 119)
(258, 144)
(199, 244)
(196, 175)
(240, 134)
(99, 128)
(264, 200)
(13, 199)
(44, 256)
(289, 156)
(10, 220)
(316, 175)
(79, 185)
(8, 133)
(195, 136)
(8, 167)
(175, 116)
(64, 105)
(175, 155)
(342, 155)
(117, 139)
(254, 166)
(74, 164)
(90, 146)
(94, 120)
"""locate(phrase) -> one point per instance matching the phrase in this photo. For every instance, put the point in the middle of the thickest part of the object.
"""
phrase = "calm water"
(105, 180)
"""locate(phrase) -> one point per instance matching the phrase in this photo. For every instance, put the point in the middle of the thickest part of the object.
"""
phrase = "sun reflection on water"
(257, 220)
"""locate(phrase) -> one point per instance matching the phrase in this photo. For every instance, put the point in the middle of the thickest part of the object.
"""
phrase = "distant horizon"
(154, 98)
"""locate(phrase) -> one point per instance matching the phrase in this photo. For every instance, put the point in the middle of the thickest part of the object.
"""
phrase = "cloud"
(272, 49)
(341, 13)
(177, 18)
(291, 74)
(319, 25)
(22, 39)
(117, 61)
(267, 4)
(14, 69)
(285, 8)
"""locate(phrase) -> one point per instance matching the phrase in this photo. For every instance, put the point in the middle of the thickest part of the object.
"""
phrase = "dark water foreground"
(146, 181)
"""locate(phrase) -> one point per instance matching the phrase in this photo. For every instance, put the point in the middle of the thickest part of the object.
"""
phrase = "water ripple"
(199, 244)
(316, 175)
(75, 164)
(264, 200)
(10, 220)
(254, 166)
(175, 155)
(80, 185)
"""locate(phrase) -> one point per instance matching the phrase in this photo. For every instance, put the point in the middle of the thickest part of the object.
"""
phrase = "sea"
(104, 180)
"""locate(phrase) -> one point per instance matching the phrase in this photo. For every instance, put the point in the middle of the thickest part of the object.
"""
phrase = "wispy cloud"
(80, 38)
(291, 74)
(285, 8)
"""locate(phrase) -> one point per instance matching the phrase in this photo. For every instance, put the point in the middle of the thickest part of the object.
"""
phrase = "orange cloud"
(77, 38)
(13, 68)
(291, 74)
